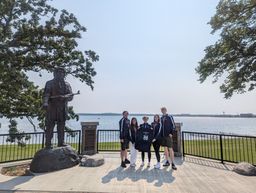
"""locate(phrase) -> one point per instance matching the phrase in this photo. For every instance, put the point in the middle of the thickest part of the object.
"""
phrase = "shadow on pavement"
(208, 163)
(13, 182)
(156, 176)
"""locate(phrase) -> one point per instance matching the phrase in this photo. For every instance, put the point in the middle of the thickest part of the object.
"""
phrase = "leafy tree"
(16, 136)
(233, 56)
(36, 37)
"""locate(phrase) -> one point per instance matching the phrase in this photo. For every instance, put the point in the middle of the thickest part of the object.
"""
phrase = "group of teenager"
(142, 137)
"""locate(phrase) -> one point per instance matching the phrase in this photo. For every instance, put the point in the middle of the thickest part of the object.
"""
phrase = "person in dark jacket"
(132, 132)
(157, 139)
(167, 129)
(124, 126)
(144, 139)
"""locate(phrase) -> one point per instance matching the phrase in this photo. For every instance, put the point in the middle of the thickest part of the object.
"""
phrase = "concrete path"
(194, 175)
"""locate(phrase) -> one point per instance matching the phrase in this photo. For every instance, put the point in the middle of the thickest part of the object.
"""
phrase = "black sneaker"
(123, 165)
(127, 161)
(166, 164)
(174, 167)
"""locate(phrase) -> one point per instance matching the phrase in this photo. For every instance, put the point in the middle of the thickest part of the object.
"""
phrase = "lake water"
(242, 126)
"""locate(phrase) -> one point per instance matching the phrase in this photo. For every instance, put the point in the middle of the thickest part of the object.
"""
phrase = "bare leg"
(171, 154)
(172, 158)
(125, 154)
(122, 155)
(167, 154)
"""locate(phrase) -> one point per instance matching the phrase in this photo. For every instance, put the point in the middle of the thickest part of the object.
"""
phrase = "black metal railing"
(226, 148)
(16, 147)
(108, 140)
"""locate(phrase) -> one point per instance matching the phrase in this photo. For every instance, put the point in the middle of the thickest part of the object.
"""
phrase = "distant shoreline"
(247, 115)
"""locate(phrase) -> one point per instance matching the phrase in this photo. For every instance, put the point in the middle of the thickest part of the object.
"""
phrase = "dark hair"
(125, 112)
(136, 125)
(157, 117)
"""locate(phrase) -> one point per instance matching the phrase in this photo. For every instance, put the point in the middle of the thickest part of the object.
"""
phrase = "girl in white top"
(132, 133)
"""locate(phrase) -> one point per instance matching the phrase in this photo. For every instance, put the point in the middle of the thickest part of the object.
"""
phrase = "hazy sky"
(148, 53)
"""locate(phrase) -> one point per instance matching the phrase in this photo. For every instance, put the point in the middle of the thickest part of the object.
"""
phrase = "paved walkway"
(194, 175)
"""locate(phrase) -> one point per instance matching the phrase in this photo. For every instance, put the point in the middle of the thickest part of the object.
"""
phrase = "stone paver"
(194, 175)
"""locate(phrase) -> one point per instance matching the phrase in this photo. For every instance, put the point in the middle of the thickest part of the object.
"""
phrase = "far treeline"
(243, 115)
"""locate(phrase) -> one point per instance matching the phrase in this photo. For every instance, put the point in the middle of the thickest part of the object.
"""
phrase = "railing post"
(97, 141)
(79, 143)
(221, 149)
(43, 140)
(183, 147)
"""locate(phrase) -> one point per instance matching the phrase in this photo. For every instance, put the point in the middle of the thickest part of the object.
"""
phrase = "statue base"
(95, 160)
(48, 160)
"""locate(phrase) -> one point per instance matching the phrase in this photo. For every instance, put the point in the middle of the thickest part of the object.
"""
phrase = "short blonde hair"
(163, 109)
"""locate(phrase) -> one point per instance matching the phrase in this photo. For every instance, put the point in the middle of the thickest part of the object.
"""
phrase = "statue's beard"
(61, 79)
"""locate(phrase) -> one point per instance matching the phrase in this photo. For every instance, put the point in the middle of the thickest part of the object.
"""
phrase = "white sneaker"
(157, 166)
(133, 165)
(148, 165)
(142, 164)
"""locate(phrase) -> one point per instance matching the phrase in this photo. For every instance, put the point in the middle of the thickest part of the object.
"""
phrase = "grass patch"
(14, 152)
(115, 146)
(235, 149)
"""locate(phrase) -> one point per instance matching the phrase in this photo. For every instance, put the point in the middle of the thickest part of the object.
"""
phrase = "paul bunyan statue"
(57, 94)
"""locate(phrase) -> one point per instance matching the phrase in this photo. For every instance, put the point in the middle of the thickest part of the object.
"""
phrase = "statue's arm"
(46, 94)
(69, 90)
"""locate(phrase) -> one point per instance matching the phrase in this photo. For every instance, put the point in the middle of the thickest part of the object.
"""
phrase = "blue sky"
(148, 53)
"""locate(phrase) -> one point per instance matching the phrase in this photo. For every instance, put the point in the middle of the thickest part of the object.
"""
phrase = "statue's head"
(59, 73)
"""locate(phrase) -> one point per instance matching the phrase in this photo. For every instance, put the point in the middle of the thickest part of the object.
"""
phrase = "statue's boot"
(48, 147)
(62, 145)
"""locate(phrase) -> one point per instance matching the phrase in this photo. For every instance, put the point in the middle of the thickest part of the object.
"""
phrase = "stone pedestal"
(92, 161)
(89, 138)
(177, 140)
(246, 169)
(48, 160)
